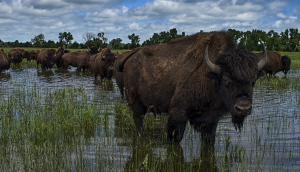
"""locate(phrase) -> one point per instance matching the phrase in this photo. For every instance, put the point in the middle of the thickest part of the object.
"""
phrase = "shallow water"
(269, 140)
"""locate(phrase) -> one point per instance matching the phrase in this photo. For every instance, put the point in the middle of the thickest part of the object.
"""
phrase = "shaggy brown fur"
(276, 63)
(33, 54)
(104, 67)
(45, 58)
(57, 57)
(173, 78)
(119, 74)
(16, 55)
(4, 63)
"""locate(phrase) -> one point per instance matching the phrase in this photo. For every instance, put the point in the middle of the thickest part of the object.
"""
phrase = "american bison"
(198, 78)
(18, 54)
(276, 63)
(4, 63)
(79, 58)
(33, 54)
(104, 64)
(57, 57)
(45, 58)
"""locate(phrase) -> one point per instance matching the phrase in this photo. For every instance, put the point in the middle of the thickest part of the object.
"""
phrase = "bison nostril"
(243, 109)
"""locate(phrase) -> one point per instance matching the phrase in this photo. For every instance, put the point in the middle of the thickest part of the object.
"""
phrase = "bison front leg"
(176, 125)
(208, 133)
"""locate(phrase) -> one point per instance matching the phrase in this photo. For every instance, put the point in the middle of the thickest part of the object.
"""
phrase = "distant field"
(295, 56)
(71, 50)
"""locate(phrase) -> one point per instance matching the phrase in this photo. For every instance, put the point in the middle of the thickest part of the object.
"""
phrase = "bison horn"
(263, 61)
(117, 55)
(103, 57)
(212, 67)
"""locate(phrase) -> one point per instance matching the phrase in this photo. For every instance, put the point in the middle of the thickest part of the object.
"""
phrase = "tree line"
(249, 40)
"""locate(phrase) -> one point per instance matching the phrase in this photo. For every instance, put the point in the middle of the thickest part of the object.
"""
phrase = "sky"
(22, 20)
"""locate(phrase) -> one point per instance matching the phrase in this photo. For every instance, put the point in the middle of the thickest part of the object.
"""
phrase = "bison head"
(109, 60)
(235, 72)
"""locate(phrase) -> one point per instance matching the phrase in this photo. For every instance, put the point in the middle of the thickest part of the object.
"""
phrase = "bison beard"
(180, 78)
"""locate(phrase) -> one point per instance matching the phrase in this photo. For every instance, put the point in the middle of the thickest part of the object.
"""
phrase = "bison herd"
(195, 79)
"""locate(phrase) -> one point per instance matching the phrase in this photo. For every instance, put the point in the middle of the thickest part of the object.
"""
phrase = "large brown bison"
(58, 55)
(104, 64)
(4, 63)
(18, 54)
(33, 54)
(45, 58)
(276, 63)
(79, 58)
(198, 78)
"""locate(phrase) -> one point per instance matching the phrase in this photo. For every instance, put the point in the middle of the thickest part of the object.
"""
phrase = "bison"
(276, 63)
(45, 58)
(104, 64)
(18, 54)
(57, 57)
(198, 78)
(33, 54)
(79, 58)
(4, 62)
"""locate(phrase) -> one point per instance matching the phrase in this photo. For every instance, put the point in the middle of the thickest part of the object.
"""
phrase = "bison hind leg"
(139, 111)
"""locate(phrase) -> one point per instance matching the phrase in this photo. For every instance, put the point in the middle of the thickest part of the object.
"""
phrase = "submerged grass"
(38, 132)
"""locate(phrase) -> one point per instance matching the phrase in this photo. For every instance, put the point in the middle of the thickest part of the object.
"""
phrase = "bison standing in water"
(45, 58)
(276, 63)
(197, 78)
(4, 63)
(104, 64)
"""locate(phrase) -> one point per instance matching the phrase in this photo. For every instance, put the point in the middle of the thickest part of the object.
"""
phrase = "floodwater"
(270, 139)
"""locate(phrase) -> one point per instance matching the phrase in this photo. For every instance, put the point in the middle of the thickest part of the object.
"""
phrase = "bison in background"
(79, 58)
(57, 57)
(33, 54)
(18, 54)
(104, 64)
(198, 78)
(276, 63)
(45, 58)
(4, 63)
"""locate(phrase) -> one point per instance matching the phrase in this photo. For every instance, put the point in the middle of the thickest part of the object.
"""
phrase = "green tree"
(294, 39)
(65, 38)
(38, 40)
(134, 40)
(115, 43)
(272, 42)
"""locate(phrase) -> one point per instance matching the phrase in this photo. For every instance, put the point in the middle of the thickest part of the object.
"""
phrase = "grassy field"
(295, 56)
(71, 50)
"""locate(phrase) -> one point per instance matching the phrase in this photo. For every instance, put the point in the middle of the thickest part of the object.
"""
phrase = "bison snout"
(242, 109)
(111, 68)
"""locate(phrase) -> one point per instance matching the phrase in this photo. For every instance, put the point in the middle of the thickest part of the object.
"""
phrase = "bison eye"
(227, 80)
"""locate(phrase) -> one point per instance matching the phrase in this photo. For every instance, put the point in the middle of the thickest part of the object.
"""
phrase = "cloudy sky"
(23, 19)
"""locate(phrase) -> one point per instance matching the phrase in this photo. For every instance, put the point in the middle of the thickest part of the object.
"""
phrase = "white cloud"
(77, 16)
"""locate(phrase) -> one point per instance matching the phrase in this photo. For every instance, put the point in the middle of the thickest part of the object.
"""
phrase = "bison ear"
(261, 73)
(212, 75)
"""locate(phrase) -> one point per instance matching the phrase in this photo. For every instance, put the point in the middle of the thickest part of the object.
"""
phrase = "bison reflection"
(178, 78)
